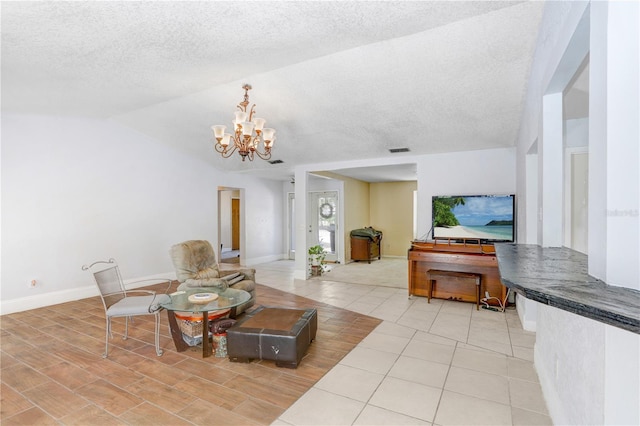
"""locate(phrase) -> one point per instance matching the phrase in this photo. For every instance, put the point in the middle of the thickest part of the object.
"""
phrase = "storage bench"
(454, 278)
(279, 334)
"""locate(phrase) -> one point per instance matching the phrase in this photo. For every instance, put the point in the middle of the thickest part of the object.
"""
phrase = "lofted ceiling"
(338, 80)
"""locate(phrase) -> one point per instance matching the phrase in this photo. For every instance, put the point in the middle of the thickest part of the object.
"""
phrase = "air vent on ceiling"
(396, 150)
(276, 162)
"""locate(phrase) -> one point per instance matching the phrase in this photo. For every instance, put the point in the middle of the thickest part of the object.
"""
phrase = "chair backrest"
(106, 275)
(194, 259)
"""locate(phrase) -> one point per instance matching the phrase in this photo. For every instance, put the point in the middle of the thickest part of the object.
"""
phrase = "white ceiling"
(337, 80)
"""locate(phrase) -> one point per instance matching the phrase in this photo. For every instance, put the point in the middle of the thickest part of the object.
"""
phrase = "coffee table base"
(176, 334)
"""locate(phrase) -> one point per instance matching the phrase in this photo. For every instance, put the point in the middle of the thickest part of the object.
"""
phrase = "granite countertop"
(558, 277)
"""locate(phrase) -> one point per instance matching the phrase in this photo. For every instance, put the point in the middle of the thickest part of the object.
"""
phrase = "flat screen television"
(485, 218)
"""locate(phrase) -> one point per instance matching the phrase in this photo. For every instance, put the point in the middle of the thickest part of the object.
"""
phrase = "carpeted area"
(387, 272)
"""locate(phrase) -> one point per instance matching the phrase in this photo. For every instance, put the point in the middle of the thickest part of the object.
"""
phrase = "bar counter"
(558, 277)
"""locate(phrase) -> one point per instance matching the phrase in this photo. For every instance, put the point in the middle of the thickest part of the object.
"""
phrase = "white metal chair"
(120, 302)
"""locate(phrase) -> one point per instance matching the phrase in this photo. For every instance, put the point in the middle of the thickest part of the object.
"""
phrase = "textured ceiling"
(337, 80)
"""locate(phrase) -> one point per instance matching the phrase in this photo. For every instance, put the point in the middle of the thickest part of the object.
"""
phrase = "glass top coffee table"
(198, 300)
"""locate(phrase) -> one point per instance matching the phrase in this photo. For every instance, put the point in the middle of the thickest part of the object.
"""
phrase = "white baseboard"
(263, 259)
(300, 275)
(67, 295)
(47, 299)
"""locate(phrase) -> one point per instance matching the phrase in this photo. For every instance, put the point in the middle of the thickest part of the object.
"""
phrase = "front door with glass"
(323, 222)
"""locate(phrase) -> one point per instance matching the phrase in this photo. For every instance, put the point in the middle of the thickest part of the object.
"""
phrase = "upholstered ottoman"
(279, 334)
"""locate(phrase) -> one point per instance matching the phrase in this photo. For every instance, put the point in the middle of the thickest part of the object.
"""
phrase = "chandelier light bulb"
(218, 131)
(268, 134)
(240, 117)
(259, 122)
(247, 128)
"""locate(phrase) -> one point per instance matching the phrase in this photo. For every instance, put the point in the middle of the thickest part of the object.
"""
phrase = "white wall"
(78, 190)
(589, 371)
(491, 171)
(575, 394)
(576, 133)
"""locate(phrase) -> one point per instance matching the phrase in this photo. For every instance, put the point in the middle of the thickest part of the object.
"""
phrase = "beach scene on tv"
(485, 217)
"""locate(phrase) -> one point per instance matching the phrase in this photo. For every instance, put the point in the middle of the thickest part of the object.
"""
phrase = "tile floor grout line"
(444, 383)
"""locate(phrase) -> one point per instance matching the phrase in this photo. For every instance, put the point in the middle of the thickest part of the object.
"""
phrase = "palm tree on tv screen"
(442, 211)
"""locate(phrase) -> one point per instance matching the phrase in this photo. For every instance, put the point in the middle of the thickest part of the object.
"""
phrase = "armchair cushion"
(246, 285)
(210, 282)
(207, 273)
(249, 273)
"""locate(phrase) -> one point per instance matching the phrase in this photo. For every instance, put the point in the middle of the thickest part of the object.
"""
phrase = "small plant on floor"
(316, 259)
(316, 255)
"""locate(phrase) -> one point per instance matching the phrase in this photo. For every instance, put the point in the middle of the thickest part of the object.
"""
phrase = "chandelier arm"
(225, 153)
(265, 156)
(254, 142)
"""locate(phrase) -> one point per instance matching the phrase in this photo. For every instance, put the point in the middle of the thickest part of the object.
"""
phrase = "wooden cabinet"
(475, 259)
(363, 248)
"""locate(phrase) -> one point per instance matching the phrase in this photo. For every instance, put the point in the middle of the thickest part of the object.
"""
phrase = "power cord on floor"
(502, 303)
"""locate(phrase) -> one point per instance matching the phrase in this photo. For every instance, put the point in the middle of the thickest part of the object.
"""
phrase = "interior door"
(235, 224)
(323, 222)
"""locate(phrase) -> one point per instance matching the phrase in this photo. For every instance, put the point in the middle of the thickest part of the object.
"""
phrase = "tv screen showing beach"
(483, 217)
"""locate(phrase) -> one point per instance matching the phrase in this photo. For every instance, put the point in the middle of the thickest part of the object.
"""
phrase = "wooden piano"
(456, 256)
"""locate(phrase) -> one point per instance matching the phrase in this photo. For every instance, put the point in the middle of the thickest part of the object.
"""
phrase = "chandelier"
(249, 134)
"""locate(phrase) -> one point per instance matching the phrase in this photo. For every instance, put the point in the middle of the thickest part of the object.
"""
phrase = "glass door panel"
(324, 222)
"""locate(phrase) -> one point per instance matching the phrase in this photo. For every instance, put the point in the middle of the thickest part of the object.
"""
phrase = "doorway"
(291, 229)
(576, 200)
(229, 225)
(323, 222)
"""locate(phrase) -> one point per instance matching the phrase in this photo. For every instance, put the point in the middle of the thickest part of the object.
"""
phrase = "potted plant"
(316, 260)
(316, 255)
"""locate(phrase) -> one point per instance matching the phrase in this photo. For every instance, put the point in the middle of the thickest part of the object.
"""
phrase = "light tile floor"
(442, 363)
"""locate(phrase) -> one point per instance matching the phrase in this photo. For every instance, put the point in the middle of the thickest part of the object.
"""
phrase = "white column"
(532, 225)
(301, 224)
(597, 221)
(623, 145)
(622, 348)
(552, 170)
